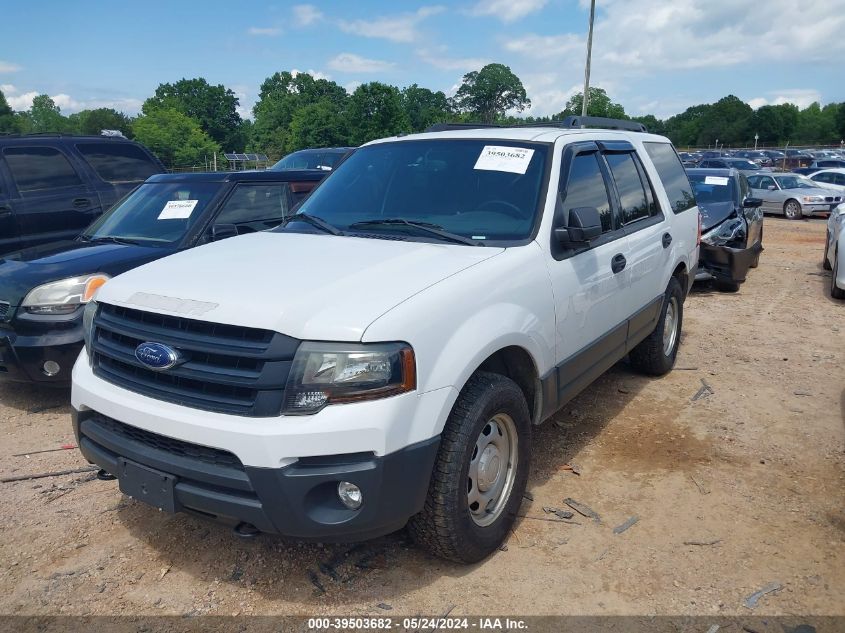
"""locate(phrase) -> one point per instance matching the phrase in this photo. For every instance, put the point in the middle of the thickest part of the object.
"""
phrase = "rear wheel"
(825, 262)
(480, 473)
(835, 291)
(792, 210)
(656, 354)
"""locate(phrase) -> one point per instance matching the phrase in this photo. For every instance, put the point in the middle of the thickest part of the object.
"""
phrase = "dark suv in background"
(52, 187)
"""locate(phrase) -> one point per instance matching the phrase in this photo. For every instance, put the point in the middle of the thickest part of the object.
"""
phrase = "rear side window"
(38, 168)
(118, 162)
(632, 194)
(586, 188)
(672, 175)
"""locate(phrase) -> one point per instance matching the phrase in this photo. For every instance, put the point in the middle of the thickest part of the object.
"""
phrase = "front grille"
(213, 456)
(228, 369)
(5, 310)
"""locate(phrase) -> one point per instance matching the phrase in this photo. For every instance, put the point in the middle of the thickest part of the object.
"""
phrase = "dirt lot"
(737, 489)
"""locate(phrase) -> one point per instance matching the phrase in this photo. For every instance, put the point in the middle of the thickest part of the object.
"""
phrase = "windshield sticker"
(716, 180)
(177, 210)
(511, 159)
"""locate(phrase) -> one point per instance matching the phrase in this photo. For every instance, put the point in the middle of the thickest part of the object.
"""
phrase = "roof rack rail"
(569, 123)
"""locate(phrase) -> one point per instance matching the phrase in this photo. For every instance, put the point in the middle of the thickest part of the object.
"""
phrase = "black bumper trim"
(299, 500)
(727, 264)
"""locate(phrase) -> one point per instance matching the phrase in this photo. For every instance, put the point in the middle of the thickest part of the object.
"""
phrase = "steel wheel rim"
(670, 326)
(492, 469)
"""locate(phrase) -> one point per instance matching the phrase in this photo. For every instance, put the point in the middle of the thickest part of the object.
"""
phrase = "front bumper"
(299, 500)
(724, 263)
(813, 209)
(22, 357)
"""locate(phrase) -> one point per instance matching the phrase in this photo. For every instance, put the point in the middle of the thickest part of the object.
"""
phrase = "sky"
(653, 56)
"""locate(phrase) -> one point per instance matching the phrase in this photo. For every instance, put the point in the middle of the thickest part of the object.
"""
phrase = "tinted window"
(586, 188)
(118, 162)
(156, 212)
(35, 168)
(822, 178)
(713, 189)
(464, 186)
(672, 175)
(632, 196)
(299, 160)
(265, 204)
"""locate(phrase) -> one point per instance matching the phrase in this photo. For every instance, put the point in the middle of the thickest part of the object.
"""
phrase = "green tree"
(318, 124)
(46, 116)
(683, 129)
(599, 104)
(375, 110)
(490, 92)
(729, 120)
(94, 121)
(280, 96)
(816, 125)
(424, 107)
(215, 108)
(174, 137)
(8, 120)
(652, 123)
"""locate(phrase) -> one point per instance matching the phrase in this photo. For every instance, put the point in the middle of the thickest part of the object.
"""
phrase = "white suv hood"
(307, 286)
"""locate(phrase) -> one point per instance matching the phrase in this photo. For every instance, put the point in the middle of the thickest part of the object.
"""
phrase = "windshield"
(310, 159)
(483, 190)
(795, 182)
(713, 188)
(738, 163)
(158, 213)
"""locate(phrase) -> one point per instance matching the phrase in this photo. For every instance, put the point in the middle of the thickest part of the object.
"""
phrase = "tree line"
(185, 123)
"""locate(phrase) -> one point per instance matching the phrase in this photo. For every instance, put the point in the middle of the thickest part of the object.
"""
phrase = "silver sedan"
(792, 195)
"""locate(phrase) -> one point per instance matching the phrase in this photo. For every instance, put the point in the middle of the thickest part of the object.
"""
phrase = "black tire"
(826, 264)
(446, 526)
(756, 261)
(835, 291)
(789, 210)
(726, 286)
(650, 356)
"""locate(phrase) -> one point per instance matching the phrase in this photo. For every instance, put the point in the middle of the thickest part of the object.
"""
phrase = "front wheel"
(656, 354)
(835, 291)
(480, 473)
(792, 210)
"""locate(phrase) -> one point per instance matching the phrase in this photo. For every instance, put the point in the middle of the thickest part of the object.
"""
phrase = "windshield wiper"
(432, 229)
(111, 239)
(313, 220)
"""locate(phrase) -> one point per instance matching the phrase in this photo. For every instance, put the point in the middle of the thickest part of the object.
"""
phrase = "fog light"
(50, 368)
(350, 495)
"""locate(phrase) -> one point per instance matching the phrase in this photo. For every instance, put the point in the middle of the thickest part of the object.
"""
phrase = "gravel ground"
(734, 490)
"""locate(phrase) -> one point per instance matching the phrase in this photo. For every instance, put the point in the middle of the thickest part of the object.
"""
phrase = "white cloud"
(69, 104)
(8, 67)
(263, 31)
(396, 28)
(8, 89)
(351, 86)
(802, 97)
(547, 95)
(507, 10)
(22, 101)
(306, 14)
(548, 46)
(439, 59)
(316, 74)
(352, 63)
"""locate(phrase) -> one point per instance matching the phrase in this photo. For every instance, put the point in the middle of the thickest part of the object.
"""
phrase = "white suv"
(381, 358)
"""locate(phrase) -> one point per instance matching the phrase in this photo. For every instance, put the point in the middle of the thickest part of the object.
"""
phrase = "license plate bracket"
(151, 486)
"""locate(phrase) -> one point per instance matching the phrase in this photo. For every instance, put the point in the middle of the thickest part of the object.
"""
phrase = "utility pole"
(589, 57)
(756, 137)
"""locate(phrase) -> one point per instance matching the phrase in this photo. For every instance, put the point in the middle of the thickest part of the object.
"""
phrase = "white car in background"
(834, 251)
(833, 178)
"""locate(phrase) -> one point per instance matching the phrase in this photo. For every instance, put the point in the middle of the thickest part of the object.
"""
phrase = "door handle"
(667, 239)
(79, 203)
(617, 264)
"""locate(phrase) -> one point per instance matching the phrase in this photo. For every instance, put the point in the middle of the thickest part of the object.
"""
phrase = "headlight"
(64, 296)
(725, 233)
(813, 198)
(330, 373)
(88, 328)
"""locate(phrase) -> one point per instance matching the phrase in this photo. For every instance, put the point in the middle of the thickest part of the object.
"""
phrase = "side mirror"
(223, 231)
(752, 203)
(584, 225)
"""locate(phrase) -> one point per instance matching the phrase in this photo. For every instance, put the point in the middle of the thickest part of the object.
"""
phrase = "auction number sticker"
(716, 180)
(499, 158)
(177, 209)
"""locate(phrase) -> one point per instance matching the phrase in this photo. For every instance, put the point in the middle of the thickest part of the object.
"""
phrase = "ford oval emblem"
(156, 356)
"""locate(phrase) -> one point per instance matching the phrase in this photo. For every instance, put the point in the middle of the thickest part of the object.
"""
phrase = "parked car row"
(788, 160)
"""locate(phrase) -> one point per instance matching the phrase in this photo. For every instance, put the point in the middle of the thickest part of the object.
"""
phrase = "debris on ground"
(63, 447)
(561, 514)
(701, 488)
(799, 392)
(583, 510)
(751, 601)
(528, 495)
(713, 542)
(56, 473)
(384, 606)
(574, 468)
(704, 391)
(315, 580)
(621, 528)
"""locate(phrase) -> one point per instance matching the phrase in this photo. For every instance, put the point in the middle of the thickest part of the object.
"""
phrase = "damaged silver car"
(731, 226)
